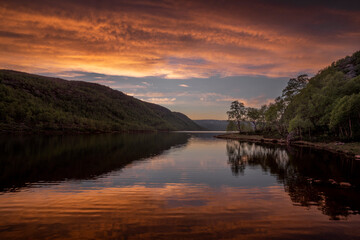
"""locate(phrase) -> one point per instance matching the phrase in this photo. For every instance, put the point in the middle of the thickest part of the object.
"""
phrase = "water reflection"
(309, 176)
(172, 186)
(241, 154)
(28, 159)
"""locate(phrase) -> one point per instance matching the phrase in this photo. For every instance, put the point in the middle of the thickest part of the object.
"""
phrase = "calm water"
(173, 186)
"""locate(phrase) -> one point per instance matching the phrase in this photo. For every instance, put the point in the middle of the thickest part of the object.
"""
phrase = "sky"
(195, 57)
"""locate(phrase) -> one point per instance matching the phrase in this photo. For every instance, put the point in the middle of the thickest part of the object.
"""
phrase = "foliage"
(253, 115)
(246, 127)
(326, 105)
(237, 113)
(294, 86)
(346, 115)
(274, 116)
(299, 124)
(231, 126)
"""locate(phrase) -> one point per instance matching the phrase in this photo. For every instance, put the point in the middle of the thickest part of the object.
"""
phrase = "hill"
(212, 125)
(329, 104)
(31, 102)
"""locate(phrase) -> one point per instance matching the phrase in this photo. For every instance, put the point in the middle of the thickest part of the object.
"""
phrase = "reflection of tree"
(236, 160)
(55, 158)
(296, 167)
(240, 154)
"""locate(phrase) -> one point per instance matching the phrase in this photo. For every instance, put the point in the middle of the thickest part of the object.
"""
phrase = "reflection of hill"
(30, 159)
(296, 167)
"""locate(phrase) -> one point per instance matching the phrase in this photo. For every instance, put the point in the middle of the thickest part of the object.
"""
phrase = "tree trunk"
(350, 127)
(341, 131)
(239, 126)
(346, 133)
(278, 128)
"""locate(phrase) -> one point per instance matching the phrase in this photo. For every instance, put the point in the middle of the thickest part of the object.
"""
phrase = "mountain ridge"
(30, 102)
(212, 124)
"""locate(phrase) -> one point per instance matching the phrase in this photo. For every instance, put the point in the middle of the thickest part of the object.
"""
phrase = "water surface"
(173, 186)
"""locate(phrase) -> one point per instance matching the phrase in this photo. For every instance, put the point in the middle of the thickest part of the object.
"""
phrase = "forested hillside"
(324, 106)
(330, 102)
(35, 103)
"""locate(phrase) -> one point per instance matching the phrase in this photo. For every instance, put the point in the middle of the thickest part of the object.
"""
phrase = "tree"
(253, 115)
(262, 120)
(346, 115)
(282, 111)
(231, 126)
(237, 113)
(294, 86)
(298, 124)
(246, 127)
(328, 104)
(275, 115)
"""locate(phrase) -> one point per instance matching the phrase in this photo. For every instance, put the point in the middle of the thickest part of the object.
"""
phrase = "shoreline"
(351, 150)
(74, 132)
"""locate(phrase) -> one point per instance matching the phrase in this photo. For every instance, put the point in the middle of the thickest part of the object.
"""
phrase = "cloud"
(146, 83)
(214, 44)
(149, 94)
(126, 86)
(177, 39)
(69, 75)
(105, 82)
(251, 102)
(161, 101)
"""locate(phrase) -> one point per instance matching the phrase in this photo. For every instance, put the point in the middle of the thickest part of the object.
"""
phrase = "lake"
(173, 186)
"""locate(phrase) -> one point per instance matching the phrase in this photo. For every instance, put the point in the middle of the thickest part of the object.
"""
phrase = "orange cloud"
(251, 102)
(161, 101)
(174, 39)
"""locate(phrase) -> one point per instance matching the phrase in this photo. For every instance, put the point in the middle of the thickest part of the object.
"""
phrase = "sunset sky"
(190, 56)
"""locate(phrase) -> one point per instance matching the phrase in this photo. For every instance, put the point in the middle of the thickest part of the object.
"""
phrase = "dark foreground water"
(173, 186)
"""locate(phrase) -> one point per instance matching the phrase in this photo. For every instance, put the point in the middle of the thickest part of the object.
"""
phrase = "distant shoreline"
(351, 150)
